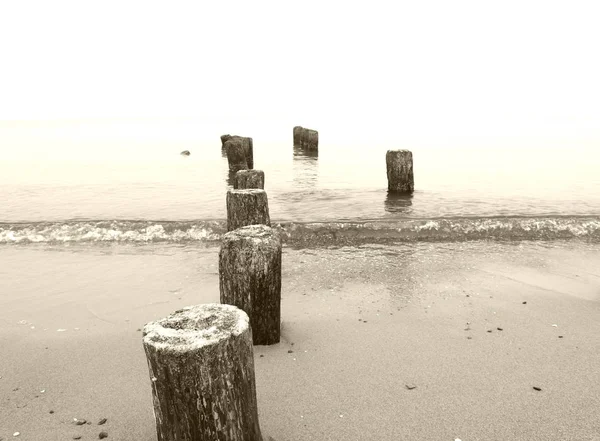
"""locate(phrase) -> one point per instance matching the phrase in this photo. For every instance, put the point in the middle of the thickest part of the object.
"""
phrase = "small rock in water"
(102, 421)
(410, 386)
(103, 435)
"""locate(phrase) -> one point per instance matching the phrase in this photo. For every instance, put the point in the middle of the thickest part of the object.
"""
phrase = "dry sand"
(362, 324)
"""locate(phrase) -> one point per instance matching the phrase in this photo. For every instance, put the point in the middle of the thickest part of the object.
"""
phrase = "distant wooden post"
(250, 278)
(201, 367)
(312, 140)
(400, 171)
(306, 138)
(249, 146)
(297, 135)
(236, 154)
(245, 179)
(247, 207)
(224, 139)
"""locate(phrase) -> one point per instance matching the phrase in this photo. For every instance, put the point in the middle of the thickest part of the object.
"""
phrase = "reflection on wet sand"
(398, 203)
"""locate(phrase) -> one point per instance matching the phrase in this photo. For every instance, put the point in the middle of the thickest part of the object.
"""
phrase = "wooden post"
(304, 138)
(249, 152)
(247, 207)
(250, 278)
(312, 140)
(297, 135)
(236, 154)
(201, 367)
(224, 139)
(245, 179)
(400, 171)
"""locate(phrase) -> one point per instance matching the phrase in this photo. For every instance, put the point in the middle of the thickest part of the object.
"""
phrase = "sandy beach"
(423, 341)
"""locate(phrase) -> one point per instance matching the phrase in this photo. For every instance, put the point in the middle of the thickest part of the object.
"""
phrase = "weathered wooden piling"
(312, 140)
(297, 135)
(306, 138)
(400, 171)
(201, 367)
(250, 278)
(224, 139)
(247, 207)
(247, 143)
(245, 179)
(236, 154)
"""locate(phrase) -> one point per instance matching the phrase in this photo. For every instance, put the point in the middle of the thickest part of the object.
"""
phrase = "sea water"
(143, 190)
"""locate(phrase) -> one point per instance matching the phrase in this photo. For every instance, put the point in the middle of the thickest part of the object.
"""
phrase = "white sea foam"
(452, 229)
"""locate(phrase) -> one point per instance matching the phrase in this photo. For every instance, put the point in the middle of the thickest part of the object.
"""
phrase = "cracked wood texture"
(400, 171)
(201, 365)
(247, 207)
(245, 179)
(250, 278)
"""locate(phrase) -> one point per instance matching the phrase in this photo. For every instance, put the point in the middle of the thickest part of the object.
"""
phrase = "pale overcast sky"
(488, 68)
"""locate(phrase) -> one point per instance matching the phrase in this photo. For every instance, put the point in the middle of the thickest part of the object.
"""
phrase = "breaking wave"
(307, 234)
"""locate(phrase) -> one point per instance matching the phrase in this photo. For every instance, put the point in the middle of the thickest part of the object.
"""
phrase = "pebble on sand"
(410, 386)
(76, 436)
(103, 435)
(102, 421)
(537, 388)
(79, 422)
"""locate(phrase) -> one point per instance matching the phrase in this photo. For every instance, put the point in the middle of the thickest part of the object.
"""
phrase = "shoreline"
(363, 324)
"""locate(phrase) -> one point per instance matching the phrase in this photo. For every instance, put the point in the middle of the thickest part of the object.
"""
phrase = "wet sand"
(362, 324)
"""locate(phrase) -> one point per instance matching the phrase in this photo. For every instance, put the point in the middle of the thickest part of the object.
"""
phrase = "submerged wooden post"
(247, 207)
(245, 179)
(201, 366)
(250, 278)
(236, 154)
(400, 171)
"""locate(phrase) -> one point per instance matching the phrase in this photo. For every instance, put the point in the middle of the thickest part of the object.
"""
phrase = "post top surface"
(247, 191)
(241, 172)
(258, 231)
(194, 327)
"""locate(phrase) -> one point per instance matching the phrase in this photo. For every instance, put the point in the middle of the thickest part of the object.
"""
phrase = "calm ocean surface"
(147, 191)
